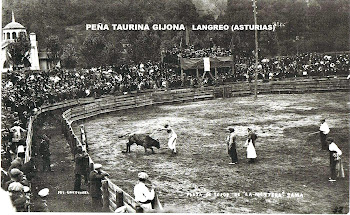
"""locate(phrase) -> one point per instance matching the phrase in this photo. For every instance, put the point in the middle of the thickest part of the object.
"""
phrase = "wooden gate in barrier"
(227, 91)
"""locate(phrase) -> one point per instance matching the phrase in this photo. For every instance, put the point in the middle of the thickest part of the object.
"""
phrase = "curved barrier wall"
(113, 196)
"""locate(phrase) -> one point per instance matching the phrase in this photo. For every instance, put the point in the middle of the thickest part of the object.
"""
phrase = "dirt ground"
(291, 173)
(61, 181)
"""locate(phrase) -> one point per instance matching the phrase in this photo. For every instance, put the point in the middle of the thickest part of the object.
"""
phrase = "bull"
(142, 140)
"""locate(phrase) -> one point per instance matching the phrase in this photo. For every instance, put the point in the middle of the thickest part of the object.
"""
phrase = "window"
(8, 36)
(14, 35)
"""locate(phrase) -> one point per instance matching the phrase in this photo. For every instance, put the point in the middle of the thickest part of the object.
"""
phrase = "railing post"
(138, 208)
(105, 195)
(119, 198)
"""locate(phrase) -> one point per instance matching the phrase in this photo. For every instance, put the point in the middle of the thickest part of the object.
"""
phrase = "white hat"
(17, 161)
(97, 166)
(143, 175)
(44, 192)
(26, 189)
(15, 172)
(20, 149)
(15, 186)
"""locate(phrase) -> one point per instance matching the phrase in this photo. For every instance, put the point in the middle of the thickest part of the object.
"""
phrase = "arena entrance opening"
(205, 67)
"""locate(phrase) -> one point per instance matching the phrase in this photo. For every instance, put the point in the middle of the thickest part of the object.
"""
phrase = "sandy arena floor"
(290, 164)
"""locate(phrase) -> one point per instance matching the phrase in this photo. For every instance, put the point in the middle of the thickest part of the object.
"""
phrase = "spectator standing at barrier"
(27, 194)
(324, 130)
(96, 177)
(18, 198)
(250, 144)
(83, 137)
(80, 167)
(231, 146)
(144, 192)
(16, 175)
(20, 152)
(41, 205)
(17, 134)
(8, 149)
(5, 177)
(335, 160)
(29, 168)
(16, 163)
(44, 152)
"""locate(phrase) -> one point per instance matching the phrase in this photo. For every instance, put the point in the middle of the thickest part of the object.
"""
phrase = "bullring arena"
(290, 175)
(198, 179)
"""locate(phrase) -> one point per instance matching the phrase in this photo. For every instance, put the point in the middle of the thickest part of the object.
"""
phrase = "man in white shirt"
(17, 135)
(83, 138)
(144, 191)
(324, 130)
(172, 138)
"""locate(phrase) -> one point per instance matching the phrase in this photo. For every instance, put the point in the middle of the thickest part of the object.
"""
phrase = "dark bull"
(142, 140)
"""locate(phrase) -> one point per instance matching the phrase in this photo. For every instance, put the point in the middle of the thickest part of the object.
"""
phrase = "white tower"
(34, 55)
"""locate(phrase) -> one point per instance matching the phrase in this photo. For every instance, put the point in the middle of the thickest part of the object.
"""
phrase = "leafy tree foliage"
(93, 50)
(19, 51)
(69, 57)
(54, 47)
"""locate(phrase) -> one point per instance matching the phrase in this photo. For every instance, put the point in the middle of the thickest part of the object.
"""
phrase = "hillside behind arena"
(307, 25)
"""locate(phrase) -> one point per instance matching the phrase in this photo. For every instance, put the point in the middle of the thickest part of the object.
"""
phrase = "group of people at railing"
(18, 173)
(171, 55)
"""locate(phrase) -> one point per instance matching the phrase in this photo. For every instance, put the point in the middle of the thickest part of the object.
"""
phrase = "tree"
(54, 46)
(18, 51)
(146, 47)
(113, 53)
(93, 51)
(69, 57)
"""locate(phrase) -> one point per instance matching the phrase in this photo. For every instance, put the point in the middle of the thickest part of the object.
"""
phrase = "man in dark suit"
(44, 152)
(80, 167)
(231, 146)
(96, 177)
